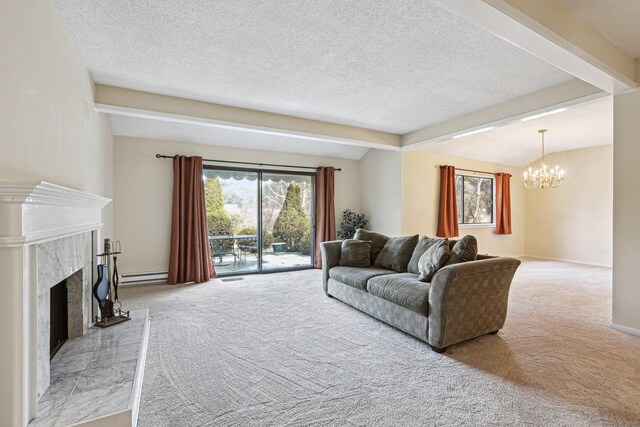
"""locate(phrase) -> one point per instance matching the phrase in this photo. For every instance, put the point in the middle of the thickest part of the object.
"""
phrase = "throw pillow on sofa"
(355, 253)
(420, 249)
(434, 258)
(465, 249)
(396, 253)
(377, 241)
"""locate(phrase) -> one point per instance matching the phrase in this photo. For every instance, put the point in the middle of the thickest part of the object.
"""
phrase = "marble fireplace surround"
(68, 258)
(47, 233)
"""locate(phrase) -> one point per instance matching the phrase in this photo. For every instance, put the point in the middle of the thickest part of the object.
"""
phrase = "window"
(474, 197)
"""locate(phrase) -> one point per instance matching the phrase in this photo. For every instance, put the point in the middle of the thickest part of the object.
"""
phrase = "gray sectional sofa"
(461, 301)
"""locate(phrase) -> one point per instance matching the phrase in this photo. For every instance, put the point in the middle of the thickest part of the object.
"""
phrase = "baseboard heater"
(143, 278)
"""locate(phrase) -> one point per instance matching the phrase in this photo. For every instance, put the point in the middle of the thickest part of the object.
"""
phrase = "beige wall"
(49, 129)
(421, 192)
(143, 191)
(626, 208)
(381, 195)
(574, 221)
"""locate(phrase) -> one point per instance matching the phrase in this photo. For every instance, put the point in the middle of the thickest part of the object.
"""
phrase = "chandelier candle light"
(542, 176)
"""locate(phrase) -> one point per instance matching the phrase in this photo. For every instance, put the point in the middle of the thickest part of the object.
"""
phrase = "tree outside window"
(474, 198)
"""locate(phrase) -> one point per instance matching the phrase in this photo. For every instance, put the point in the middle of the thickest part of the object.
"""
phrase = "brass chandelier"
(543, 176)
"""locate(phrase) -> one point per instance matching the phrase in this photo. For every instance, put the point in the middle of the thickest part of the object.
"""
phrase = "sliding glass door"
(259, 220)
(287, 201)
(232, 217)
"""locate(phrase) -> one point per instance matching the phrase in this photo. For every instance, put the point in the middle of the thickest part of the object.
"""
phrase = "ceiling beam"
(562, 96)
(114, 110)
(132, 103)
(547, 30)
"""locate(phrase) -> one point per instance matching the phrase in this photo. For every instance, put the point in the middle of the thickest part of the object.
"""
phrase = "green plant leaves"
(351, 221)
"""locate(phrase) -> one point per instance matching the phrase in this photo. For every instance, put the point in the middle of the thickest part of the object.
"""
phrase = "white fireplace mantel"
(38, 212)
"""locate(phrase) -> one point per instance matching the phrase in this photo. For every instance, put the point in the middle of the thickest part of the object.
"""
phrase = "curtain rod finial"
(158, 156)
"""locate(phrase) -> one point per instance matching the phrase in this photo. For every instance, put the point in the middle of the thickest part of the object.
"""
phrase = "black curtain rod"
(475, 171)
(162, 156)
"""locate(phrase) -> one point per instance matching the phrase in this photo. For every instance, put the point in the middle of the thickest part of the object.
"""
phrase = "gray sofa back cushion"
(396, 253)
(434, 258)
(377, 241)
(420, 249)
(355, 253)
(463, 250)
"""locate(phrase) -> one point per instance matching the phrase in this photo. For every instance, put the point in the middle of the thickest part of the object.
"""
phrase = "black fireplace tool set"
(105, 291)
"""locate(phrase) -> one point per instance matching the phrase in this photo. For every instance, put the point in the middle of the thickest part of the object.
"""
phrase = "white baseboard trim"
(143, 278)
(626, 329)
(572, 261)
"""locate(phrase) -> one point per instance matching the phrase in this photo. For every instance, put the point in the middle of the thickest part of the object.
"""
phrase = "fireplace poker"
(116, 279)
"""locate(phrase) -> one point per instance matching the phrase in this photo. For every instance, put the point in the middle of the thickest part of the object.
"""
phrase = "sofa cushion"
(403, 289)
(356, 276)
(434, 258)
(420, 249)
(463, 250)
(396, 253)
(355, 253)
(452, 243)
(377, 241)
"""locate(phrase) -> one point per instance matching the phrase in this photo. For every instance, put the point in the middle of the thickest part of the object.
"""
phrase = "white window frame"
(493, 201)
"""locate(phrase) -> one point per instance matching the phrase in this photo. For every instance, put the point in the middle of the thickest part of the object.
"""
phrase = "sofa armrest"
(469, 299)
(330, 258)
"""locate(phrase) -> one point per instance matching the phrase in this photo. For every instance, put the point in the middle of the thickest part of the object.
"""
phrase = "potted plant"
(279, 247)
(351, 221)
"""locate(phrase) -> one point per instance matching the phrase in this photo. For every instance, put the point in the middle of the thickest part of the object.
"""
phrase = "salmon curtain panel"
(325, 211)
(448, 213)
(503, 203)
(190, 255)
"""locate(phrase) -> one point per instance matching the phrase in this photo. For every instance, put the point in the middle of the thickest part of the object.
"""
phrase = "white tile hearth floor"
(97, 375)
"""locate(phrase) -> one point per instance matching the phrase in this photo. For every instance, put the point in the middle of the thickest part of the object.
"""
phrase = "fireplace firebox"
(59, 317)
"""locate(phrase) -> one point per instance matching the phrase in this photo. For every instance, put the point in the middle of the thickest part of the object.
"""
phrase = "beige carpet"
(273, 350)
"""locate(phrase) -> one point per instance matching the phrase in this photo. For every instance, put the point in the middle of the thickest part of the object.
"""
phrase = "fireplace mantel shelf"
(36, 212)
(45, 193)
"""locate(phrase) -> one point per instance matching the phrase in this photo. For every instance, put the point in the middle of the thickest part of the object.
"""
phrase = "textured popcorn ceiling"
(618, 21)
(394, 66)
